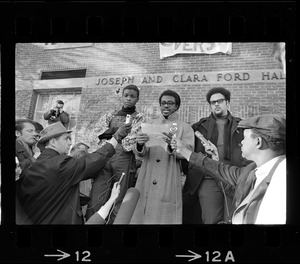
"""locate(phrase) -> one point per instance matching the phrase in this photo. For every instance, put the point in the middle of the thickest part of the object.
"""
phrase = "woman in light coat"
(159, 179)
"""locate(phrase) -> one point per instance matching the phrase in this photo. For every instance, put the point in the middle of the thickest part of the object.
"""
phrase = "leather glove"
(122, 132)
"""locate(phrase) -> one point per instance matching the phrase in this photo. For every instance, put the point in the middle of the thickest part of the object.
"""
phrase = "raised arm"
(139, 148)
(217, 170)
(100, 216)
(64, 117)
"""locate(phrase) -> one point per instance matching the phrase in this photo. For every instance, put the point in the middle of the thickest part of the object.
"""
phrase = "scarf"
(126, 111)
(111, 130)
(212, 134)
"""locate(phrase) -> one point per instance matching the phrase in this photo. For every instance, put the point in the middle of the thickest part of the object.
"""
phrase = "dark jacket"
(25, 160)
(50, 189)
(207, 126)
(234, 178)
(63, 118)
(23, 156)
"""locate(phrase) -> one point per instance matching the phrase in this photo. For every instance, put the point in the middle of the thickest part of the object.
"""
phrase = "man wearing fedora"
(50, 188)
(259, 189)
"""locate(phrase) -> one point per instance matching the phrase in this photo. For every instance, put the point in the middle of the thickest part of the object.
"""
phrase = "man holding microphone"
(259, 189)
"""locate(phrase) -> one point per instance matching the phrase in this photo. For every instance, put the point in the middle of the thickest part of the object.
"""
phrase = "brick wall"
(113, 59)
(25, 103)
(137, 58)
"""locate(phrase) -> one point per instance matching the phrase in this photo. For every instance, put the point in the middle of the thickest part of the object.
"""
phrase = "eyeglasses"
(219, 101)
(167, 103)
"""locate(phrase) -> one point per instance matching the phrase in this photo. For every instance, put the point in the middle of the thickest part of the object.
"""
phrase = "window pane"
(71, 105)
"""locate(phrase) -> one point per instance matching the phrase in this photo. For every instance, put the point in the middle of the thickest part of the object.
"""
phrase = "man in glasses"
(221, 129)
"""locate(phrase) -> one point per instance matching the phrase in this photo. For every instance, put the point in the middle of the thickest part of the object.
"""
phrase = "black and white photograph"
(150, 133)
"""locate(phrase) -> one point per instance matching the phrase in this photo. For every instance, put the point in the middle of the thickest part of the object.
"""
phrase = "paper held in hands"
(155, 134)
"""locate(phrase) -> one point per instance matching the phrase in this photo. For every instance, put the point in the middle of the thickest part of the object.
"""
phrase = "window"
(51, 75)
(48, 100)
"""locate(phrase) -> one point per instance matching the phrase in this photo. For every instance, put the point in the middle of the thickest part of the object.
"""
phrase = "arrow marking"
(193, 257)
(64, 255)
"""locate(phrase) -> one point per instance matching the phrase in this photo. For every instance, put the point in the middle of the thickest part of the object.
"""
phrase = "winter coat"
(49, 192)
(207, 127)
(159, 180)
(25, 159)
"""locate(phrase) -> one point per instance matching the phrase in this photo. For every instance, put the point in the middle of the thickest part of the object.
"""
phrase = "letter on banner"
(167, 49)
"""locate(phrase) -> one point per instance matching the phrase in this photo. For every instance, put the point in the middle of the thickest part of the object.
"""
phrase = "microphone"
(173, 130)
(127, 207)
(201, 137)
(214, 155)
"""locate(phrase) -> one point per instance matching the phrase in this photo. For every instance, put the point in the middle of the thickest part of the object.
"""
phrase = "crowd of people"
(237, 175)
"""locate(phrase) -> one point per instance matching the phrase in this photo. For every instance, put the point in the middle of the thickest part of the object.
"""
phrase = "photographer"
(57, 114)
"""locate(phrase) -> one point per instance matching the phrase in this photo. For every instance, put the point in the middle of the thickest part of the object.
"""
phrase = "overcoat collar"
(173, 117)
(207, 125)
(20, 148)
(259, 192)
(48, 152)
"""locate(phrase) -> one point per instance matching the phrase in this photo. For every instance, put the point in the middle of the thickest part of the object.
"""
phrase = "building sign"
(228, 77)
(183, 78)
(167, 49)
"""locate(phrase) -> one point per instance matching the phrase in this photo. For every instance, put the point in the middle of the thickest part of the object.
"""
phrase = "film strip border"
(143, 21)
(148, 21)
(149, 244)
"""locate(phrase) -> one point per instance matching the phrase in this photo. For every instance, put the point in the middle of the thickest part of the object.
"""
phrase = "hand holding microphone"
(171, 137)
(177, 145)
(210, 148)
(122, 132)
(168, 137)
(115, 191)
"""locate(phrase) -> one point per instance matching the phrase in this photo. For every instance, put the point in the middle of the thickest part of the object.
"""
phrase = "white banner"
(168, 49)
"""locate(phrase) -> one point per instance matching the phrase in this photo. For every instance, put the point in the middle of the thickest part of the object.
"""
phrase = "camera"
(54, 113)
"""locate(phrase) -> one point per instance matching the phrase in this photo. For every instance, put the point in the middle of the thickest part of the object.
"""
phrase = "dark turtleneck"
(126, 111)
(110, 131)
(223, 141)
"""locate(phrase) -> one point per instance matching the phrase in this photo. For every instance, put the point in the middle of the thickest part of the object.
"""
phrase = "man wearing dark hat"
(57, 114)
(259, 189)
(204, 200)
(50, 189)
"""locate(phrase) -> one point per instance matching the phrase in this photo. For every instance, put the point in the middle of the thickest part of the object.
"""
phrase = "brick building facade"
(250, 72)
